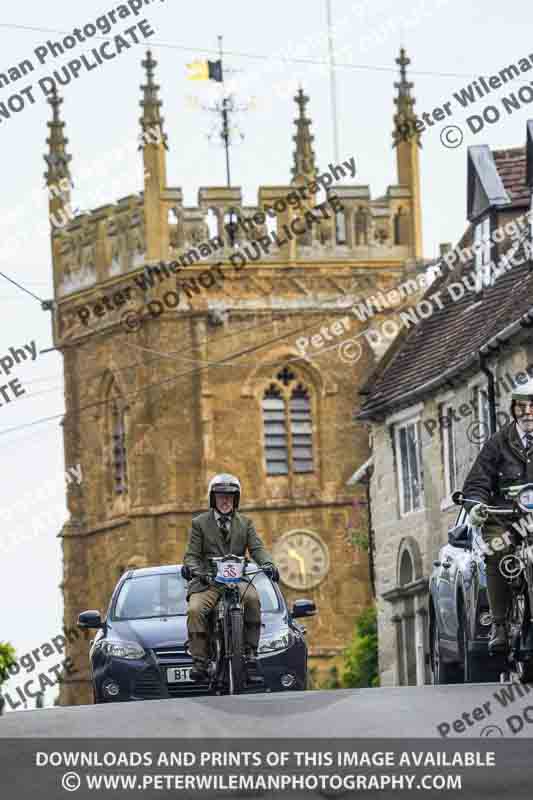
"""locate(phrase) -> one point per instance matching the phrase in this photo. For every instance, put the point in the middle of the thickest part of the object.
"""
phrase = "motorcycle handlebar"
(459, 499)
(185, 571)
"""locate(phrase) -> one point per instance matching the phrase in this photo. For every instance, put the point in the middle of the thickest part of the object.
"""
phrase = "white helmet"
(227, 484)
(521, 392)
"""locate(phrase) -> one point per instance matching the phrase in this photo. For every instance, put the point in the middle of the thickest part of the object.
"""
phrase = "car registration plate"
(178, 674)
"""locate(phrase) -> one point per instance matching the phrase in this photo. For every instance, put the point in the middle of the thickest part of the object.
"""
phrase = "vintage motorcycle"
(517, 568)
(227, 669)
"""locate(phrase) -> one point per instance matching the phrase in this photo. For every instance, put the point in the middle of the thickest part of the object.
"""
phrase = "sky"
(450, 43)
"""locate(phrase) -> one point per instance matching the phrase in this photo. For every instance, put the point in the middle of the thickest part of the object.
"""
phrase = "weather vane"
(224, 131)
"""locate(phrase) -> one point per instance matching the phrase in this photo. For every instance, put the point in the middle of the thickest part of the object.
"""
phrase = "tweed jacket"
(207, 540)
(502, 462)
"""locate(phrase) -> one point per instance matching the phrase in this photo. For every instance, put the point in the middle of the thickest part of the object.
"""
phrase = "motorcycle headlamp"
(525, 498)
(275, 642)
(129, 650)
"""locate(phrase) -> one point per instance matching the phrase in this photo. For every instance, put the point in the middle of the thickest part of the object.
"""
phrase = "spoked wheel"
(475, 669)
(236, 668)
(522, 669)
(442, 673)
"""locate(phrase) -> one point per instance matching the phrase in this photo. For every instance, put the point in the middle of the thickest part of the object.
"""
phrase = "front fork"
(528, 621)
(229, 602)
(232, 602)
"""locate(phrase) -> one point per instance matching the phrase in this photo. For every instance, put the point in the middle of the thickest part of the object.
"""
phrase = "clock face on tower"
(302, 559)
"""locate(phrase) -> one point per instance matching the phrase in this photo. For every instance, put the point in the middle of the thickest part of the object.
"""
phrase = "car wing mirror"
(460, 537)
(303, 608)
(457, 497)
(90, 619)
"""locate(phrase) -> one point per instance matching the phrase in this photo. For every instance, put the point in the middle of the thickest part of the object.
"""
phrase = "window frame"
(286, 449)
(400, 425)
(286, 393)
(448, 437)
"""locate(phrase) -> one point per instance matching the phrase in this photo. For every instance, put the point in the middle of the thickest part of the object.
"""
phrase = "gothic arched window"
(288, 426)
(118, 446)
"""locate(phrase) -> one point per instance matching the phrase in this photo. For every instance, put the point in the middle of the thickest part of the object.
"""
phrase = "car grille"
(148, 685)
(177, 656)
(171, 653)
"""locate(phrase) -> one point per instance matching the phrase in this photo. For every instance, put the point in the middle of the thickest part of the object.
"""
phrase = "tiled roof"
(511, 166)
(448, 340)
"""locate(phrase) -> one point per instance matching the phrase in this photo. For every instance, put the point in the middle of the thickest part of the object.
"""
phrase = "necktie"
(223, 524)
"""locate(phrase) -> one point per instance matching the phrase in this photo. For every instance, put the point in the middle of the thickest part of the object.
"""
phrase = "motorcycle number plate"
(229, 571)
(178, 674)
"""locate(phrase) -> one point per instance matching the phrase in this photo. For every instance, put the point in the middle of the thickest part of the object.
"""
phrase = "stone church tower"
(209, 368)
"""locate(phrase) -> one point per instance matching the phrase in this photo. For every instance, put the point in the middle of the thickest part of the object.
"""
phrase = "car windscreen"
(267, 593)
(164, 595)
(146, 596)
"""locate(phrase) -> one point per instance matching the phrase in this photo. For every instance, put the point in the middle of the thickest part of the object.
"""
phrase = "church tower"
(180, 362)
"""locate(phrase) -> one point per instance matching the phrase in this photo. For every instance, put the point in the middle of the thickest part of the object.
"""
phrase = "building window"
(410, 480)
(287, 425)
(481, 400)
(301, 430)
(482, 242)
(340, 227)
(276, 450)
(119, 454)
(448, 449)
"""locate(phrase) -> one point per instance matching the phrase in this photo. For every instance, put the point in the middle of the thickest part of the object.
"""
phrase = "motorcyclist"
(218, 532)
(505, 459)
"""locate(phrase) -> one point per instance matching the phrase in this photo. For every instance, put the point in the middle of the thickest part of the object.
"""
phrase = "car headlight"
(122, 649)
(277, 641)
(525, 498)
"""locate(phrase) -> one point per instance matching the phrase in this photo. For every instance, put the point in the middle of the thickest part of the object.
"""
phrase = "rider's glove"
(272, 572)
(478, 515)
(186, 573)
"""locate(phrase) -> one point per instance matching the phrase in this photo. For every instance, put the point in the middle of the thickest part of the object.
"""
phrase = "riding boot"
(198, 648)
(498, 637)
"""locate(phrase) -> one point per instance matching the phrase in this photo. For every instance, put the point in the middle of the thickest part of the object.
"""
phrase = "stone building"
(441, 389)
(175, 373)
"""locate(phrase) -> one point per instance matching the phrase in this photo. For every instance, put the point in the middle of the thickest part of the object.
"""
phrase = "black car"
(140, 652)
(459, 615)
